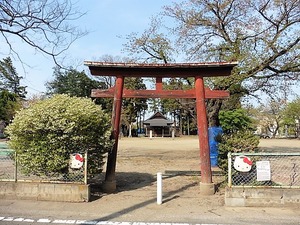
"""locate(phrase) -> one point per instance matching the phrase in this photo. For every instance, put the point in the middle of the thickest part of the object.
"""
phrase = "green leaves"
(9, 103)
(71, 82)
(45, 134)
(241, 141)
(291, 116)
(10, 90)
(9, 79)
(235, 120)
(238, 135)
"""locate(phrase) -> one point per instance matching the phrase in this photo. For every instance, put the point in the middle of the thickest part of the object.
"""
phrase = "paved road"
(140, 209)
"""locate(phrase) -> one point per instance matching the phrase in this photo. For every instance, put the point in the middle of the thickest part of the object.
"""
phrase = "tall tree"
(133, 109)
(180, 109)
(9, 78)
(263, 36)
(75, 83)
(71, 82)
(291, 116)
(9, 104)
(270, 115)
(253, 32)
(41, 24)
(151, 45)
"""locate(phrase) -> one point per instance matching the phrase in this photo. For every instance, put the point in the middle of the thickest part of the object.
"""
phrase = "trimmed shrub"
(233, 121)
(45, 134)
(238, 135)
(242, 141)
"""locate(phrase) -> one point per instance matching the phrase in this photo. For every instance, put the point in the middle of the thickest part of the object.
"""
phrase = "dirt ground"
(140, 159)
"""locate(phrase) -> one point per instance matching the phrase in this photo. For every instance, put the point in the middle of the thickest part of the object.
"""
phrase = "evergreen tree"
(9, 103)
(9, 78)
(133, 109)
(77, 84)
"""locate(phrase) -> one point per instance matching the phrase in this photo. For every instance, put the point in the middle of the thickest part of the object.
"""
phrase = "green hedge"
(45, 134)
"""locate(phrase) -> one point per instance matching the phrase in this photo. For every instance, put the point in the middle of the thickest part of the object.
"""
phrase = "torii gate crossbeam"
(159, 71)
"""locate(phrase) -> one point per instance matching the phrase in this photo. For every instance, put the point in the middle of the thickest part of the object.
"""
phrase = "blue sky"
(106, 21)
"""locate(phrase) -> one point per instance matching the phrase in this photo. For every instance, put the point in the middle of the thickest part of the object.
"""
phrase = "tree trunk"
(180, 122)
(188, 125)
(213, 108)
(130, 134)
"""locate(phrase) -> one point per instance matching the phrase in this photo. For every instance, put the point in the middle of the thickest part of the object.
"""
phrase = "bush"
(233, 121)
(238, 135)
(242, 141)
(45, 134)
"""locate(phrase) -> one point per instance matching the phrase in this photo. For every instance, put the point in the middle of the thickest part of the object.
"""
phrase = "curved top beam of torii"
(159, 71)
(184, 70)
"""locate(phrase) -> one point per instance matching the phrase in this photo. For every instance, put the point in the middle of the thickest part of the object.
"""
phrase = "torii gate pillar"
(110, 184)
(206, 185)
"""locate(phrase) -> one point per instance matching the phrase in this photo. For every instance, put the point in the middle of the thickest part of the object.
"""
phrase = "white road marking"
(80, 221)
(44, 221)
(65, 221)
(18, 220)
(86, 222)
(8, 219)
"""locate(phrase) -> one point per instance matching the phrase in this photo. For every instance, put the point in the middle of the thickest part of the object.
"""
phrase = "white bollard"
(150, 134)
(159, 188)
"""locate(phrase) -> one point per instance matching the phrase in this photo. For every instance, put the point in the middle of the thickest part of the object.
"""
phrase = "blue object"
(213, 133)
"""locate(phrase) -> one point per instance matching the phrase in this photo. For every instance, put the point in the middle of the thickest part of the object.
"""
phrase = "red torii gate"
(159, 71)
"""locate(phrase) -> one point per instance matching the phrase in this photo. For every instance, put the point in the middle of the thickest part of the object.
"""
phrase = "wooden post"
(206, 185)
(159, 85)
(110, 185)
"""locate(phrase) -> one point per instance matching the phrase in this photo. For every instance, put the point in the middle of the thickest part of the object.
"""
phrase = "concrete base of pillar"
(109, 186)
(207, 188)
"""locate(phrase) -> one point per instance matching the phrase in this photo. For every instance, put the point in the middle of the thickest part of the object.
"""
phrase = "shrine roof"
(207, 69)
(158, 120)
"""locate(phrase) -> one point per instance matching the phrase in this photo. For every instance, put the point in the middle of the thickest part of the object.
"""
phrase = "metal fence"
(280, 170)
(10, 170)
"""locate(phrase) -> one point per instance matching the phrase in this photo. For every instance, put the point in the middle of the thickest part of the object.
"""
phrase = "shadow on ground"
(169, 196)
(126, 181)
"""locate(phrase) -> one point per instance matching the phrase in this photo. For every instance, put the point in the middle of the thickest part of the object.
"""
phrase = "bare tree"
(271, 115)
(151, 46)
(262, 35)
(44, 25)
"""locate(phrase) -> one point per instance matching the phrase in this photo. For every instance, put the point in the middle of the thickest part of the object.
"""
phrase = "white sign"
(263, 170)
(76, 161)
(242, 163)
